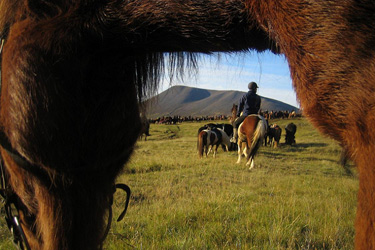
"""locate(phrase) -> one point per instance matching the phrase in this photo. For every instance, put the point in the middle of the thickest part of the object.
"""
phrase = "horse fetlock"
(239, 160)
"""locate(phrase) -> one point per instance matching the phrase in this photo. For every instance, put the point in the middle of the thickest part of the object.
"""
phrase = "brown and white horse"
(73, 73)
(251, 133)
(210, 138)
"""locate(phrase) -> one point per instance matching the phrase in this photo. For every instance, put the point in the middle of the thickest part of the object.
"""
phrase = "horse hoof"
(250, 165)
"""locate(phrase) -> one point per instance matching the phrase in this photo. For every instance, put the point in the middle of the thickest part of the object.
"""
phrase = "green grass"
(296, 197)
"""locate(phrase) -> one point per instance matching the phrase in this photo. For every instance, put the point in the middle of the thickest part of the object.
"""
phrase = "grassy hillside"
(296, 197)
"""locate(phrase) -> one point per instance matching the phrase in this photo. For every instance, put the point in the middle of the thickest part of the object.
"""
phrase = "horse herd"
(251, 134)
(74, 72)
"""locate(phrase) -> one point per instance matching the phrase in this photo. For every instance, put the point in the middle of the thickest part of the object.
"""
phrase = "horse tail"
(258, 136)
(202, 141)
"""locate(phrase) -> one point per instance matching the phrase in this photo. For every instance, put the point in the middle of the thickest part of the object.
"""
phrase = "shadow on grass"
(284, 151)
(275, 155)
(299, 147)
(309, 145)
(155, 167)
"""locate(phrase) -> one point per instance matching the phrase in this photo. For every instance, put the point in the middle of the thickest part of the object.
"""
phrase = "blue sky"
(234, 71)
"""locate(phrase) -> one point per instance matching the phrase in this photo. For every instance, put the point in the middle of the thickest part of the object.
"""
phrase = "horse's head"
(68, 125)
(234, 108)
(234, 113)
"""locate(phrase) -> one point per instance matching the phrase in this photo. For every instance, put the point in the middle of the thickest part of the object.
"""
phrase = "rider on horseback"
(249, 104)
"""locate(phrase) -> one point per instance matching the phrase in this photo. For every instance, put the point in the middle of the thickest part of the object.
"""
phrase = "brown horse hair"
(74, 73)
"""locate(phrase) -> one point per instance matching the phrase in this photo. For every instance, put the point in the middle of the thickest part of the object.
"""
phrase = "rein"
(12, 203)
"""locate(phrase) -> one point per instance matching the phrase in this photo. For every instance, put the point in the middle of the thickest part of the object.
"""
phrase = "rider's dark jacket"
(249, 104)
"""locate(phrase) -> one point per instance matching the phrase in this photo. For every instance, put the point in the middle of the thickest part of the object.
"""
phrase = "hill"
(185, 101)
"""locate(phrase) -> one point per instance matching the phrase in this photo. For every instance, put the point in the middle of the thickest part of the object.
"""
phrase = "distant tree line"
(178, 119)
(269, 115)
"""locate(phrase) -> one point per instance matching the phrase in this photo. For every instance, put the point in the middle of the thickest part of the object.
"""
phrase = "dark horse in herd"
(74, 72)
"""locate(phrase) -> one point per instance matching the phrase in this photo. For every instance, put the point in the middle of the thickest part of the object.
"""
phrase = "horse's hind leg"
(215, 151)
(239, 152)
(365, 220)
(250, 162)
(246, 151)
(209, 150)
(250, 159)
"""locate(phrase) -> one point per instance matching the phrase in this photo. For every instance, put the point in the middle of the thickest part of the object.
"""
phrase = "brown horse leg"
(365, 220)
(354, 131)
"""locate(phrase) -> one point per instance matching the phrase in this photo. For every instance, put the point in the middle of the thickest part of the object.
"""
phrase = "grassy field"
(296, 197)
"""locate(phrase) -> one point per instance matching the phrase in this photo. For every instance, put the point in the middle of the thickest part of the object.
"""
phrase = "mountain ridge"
(190, 101)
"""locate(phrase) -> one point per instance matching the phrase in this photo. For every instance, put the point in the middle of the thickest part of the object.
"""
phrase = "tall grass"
(296, 197)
